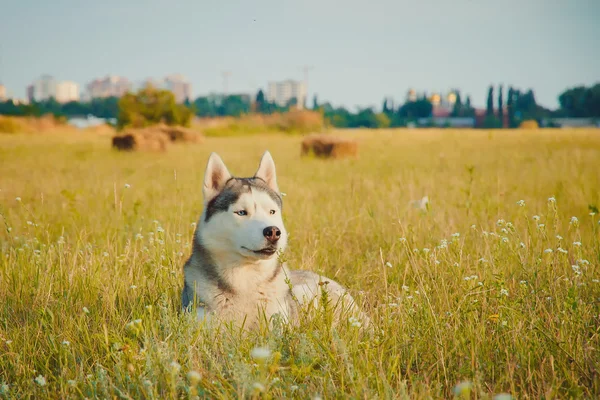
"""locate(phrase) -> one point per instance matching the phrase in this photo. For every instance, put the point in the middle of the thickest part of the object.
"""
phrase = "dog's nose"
(272, 233)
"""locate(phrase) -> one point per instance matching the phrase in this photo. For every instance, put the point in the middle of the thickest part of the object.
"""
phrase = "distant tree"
(500, 105)
(151, 106)
(315, 103)
(490, 102)
(260, 103)
(457, 109)
(581, 102)
(412, 110)
(385, 109)
(510, 107)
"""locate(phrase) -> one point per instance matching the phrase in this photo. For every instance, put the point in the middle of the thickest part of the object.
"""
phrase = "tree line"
(504, 108)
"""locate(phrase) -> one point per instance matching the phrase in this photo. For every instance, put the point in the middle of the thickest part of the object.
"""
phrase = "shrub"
(151, 106)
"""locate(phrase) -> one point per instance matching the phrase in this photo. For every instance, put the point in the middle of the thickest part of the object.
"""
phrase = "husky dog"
(234, 272)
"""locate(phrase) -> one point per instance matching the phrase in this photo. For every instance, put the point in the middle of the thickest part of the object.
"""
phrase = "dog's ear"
(266, 171)
(215, 177)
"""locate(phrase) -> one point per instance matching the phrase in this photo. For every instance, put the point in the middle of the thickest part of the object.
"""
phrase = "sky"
(360, 51)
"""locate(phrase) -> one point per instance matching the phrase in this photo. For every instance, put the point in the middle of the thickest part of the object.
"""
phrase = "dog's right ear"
(215, 177)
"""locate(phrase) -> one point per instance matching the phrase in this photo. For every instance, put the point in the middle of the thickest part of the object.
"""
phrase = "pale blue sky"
(361, 50)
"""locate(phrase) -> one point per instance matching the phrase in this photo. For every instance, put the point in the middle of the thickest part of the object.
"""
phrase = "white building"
(281, 93)
(67, 91)
(179, 86)
(2, 92)
(109, 86)
(42, 89)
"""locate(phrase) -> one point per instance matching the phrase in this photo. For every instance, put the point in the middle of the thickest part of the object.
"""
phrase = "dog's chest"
(268, 298)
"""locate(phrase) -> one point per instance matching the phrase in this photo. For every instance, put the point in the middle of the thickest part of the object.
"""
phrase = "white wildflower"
(402, 240)
(260, 353)
(40, 380)
(85, 310)
(258, 386)
(559, 237)
(551, 199)
(139, 236)
(133, 287)
(505, 239)
(577, 244)
(425, 250)
(194, 377)
(66, 343)
(127, 186)
(473, 226)
(354, 322)
(405, 288)
(574, 221)
(548, 251)
(523, 282)
(536, 217)
(500, 222)
(456, 235)
(283, 194)
(576, 269)
(388, 264)
(105, 254)
(522, 245)
(561, 250)
(504, 292)
(18, 199)
(521, 203)
(160, 229)
(174, 366)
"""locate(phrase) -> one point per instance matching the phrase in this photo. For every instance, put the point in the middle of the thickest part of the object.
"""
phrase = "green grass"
(91, 271)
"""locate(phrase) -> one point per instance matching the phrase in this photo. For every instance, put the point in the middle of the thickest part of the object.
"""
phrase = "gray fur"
(232, 191)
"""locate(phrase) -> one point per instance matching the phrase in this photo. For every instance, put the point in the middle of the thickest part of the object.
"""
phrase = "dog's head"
(242, 216)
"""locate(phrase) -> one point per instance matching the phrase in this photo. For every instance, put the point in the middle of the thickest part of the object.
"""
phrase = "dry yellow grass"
(493, 285)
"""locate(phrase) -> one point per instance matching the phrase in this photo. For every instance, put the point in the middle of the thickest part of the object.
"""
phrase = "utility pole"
(305, 69)
(226, 76)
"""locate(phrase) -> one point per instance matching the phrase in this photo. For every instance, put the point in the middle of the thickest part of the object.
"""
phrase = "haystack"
(327, 146)
(179, 133)
(144, 141)
(155, 138)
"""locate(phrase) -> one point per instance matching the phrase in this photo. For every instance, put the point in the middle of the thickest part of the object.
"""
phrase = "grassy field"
(492, 287)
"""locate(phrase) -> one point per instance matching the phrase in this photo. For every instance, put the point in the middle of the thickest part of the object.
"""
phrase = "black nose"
(272, 233)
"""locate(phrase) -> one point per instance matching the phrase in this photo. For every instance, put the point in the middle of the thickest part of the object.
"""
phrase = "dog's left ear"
(266, 171)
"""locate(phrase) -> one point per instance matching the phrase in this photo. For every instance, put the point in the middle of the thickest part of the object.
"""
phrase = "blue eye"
(241, 212)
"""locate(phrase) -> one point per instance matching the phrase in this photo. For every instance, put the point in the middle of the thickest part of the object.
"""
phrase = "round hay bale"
(140, 141)
(327, 146)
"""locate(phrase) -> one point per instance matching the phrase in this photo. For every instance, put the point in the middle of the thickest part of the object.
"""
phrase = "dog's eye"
(272, 212)
(241, 212)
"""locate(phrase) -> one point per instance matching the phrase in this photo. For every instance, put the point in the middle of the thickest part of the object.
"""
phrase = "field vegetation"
(476, 254)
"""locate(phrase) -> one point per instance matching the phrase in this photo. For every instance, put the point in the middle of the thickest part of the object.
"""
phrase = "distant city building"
(2, 92)
(109, 86)
(281, 93)
(42, 89)
(176, 84)
(179, 86)
(67, 91)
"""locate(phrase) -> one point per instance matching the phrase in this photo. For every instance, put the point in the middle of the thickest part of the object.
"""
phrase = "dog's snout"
(272, 233)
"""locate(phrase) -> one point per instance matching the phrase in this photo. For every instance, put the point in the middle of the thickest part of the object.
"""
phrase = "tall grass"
(491, 286)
